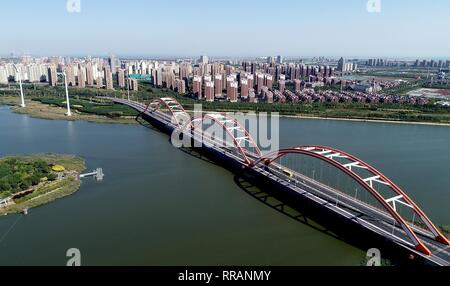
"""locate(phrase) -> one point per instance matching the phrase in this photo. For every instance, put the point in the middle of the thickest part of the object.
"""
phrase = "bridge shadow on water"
(303, 212)
(144, 123)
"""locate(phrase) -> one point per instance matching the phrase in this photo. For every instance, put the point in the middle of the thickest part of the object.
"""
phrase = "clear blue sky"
(403, 28)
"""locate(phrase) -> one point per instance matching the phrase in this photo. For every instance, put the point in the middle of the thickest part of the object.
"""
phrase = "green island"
(49, 103)
(32, 180)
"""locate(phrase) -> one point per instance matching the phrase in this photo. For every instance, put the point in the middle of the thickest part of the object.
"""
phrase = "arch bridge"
(384, 217)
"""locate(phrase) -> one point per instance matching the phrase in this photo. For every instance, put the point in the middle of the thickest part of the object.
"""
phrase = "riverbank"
(40, 110)
(367, 120)
(32, 180)
(191, 112)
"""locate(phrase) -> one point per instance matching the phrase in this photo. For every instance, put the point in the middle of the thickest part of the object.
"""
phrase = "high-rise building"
(99, 82)
(89, 74)
(114, 63)
(157, 77)
(108, 78)
(81, 77)
(259, 83)
(121, 78)
(269, 81)
(218, 85)
(207, 77)
(341, 65)
(244, 88)
(197, 87)
(52, 76)
(3, 75)
(280, 59)
(232, 91)
(209, 91)
(70, 75)
(133, 84)
(251, 81)
(181, 86)
(185, 70)
(204, 59)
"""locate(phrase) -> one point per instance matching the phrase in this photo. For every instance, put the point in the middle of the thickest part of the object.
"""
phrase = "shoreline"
(46, 191)
(39, 110)
(342, 119)
(368, 120)
(58, 114)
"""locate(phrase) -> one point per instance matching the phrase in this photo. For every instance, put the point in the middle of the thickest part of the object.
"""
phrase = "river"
(160, 206)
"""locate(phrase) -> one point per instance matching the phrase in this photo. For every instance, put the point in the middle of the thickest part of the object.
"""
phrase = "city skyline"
(233, 29)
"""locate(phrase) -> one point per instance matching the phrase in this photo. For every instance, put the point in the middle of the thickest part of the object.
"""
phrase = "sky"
(235, 28)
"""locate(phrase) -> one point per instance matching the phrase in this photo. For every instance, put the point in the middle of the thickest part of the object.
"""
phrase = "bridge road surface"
(367, 216)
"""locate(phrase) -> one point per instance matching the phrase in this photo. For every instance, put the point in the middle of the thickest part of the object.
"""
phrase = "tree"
(51, 177)
(25, 184)
(35, 179)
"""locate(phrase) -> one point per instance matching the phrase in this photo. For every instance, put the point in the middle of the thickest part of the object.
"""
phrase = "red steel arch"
(231, 126)
(174, 107)
(328, 154)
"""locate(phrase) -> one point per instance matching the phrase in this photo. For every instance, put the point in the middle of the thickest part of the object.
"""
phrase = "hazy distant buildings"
(279, 59)
(341, 65)
(204, 59)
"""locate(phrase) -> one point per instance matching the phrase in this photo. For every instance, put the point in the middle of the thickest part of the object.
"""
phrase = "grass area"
(16, 170)
(17, 175)
(44, 195)
(70, 162)
(91, 106)
(20, 173)
(36, 109)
